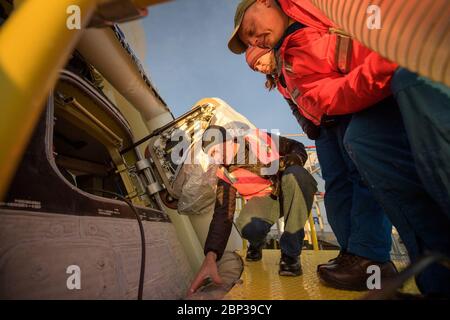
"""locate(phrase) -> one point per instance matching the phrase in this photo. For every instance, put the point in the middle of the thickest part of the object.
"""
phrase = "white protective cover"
(196, 182)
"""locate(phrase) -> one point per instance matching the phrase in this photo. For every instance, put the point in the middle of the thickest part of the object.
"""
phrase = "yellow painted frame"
(35, 44)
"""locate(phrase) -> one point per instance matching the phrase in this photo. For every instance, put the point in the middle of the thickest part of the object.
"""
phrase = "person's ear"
(266, 3)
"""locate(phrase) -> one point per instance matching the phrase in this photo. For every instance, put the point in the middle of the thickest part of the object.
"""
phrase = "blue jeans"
(425, 108)
(357, 220)
(294, 204)
(377, 142)
(256, 230)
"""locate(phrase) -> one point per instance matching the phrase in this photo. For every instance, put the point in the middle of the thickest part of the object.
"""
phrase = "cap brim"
(235, 44)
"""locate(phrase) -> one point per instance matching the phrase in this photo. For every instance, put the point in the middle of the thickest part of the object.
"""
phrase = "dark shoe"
(289, 266)
(254, 253)
(333, 261)
(351, 273)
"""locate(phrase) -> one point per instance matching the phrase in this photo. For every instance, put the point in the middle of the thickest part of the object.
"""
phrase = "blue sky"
(188, 59)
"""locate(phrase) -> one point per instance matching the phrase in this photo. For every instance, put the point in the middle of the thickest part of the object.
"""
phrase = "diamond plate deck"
(260, 280)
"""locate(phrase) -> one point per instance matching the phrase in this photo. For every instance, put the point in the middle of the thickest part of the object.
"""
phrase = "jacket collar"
(290, 30)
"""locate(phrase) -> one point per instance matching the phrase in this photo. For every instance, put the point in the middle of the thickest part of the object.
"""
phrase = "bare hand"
(207, 270)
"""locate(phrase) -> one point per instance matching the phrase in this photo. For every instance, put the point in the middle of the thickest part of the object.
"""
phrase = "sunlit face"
(263, 24)
(266, 64)
(223, 153)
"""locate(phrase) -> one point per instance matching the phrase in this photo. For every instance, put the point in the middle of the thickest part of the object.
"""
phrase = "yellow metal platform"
(260, 280)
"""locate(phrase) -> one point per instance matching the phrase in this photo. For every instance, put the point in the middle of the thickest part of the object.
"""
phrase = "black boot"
(254, 253)
(289, 266)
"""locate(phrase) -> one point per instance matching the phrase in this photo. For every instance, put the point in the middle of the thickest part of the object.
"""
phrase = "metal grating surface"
(260, 280)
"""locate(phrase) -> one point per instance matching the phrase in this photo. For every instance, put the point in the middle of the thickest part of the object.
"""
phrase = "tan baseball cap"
(235, 44)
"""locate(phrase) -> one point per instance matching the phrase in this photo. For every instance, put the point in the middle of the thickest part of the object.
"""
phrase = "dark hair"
(271, 83)
(219, 135)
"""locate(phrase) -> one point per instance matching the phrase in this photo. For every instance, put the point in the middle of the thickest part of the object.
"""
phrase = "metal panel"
(37, 248)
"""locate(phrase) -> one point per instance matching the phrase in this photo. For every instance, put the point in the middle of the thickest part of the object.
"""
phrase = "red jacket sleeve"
(337, 94)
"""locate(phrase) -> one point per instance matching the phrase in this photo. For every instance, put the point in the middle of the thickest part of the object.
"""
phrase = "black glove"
(329, 121)
(286, 161)
(290, 160)
(308, 127)
(311, 130)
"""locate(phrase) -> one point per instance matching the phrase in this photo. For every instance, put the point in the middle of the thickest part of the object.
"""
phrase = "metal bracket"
(154, 188)
(143, 164)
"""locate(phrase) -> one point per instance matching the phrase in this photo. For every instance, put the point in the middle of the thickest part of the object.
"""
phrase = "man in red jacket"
(327, 91)
(328, 85)
(328, 74)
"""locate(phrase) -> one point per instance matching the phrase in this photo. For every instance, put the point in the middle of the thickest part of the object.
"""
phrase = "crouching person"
(287, 192)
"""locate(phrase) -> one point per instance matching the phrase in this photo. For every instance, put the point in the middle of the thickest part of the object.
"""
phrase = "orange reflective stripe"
(343, 54)
(294, 95)
(344, 50)
(288, 68)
